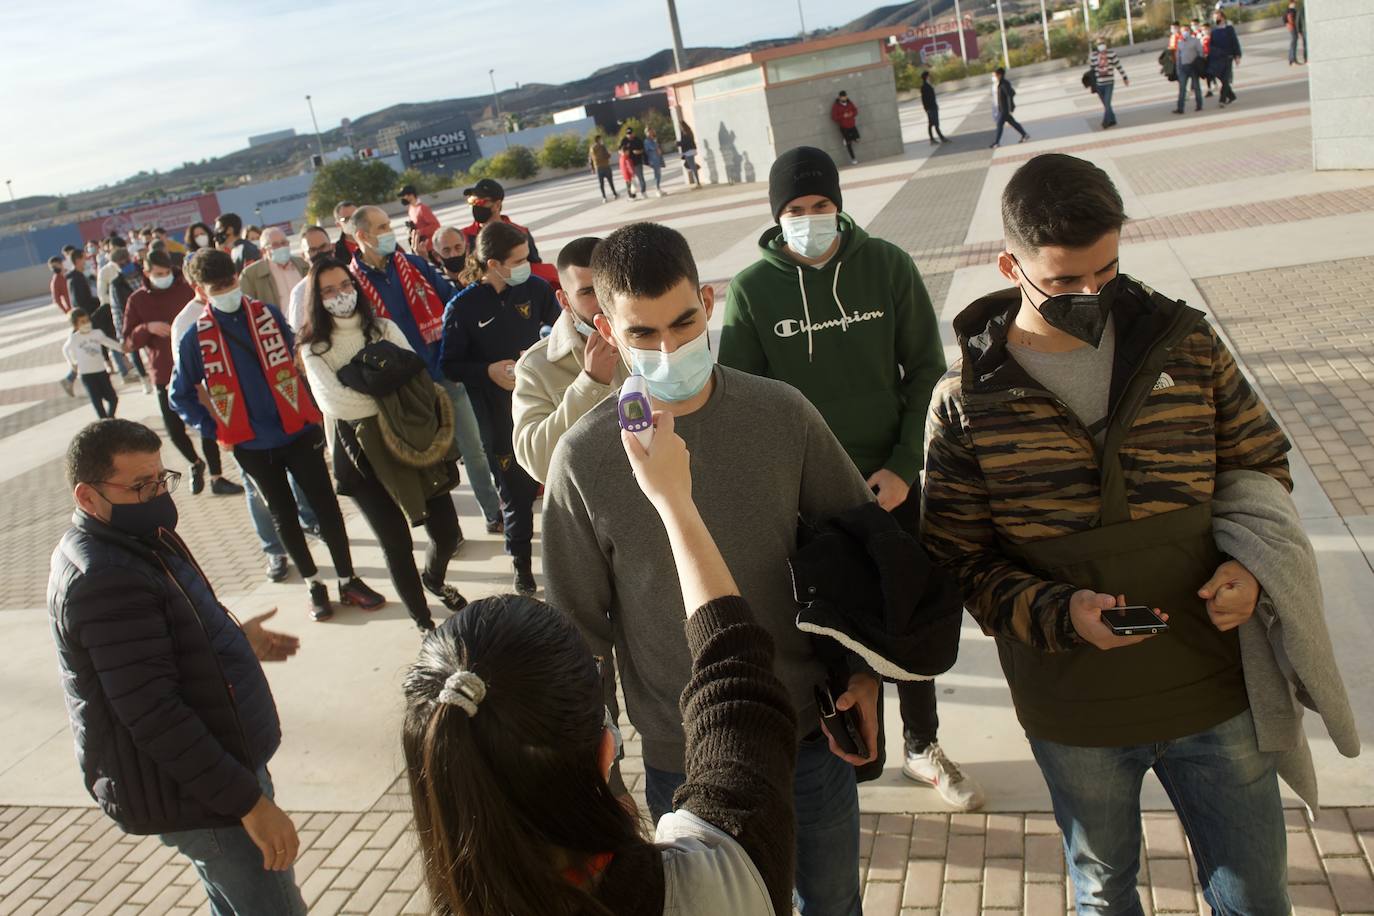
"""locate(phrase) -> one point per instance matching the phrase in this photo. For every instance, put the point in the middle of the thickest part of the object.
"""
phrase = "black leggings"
(103, 397)
(920, 718)
(304, 458)
(176, 431)
(392, 529)
(603, 178)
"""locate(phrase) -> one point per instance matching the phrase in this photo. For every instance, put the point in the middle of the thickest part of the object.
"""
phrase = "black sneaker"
(223, 486)
(524, 577)
(495, 526)
(357, 593)
(312, 531)
(320, 608)
(277, 567)
(450, 596)
(197, 478)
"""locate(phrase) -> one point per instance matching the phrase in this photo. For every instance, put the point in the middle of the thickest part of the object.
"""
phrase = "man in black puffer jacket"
(173, 718)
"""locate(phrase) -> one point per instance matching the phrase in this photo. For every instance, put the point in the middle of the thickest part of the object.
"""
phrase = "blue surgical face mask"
(583, 328)
(675, 376)
(810, 236)
(386, 244)
(227, 301)
(519, 274)
(281, 256)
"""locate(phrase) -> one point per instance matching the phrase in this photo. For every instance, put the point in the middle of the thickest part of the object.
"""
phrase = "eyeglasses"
(165, 482)
(329, 292)
(476, 201)
(319, 252)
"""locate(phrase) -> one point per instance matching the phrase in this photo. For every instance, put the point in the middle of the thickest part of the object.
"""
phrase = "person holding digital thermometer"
(1072, 463)
(509, 745)
(764, 457)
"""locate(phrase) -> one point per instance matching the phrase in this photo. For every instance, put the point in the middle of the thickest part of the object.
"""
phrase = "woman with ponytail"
(508, 747)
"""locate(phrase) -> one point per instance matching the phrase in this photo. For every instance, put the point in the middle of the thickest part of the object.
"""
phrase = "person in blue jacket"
(243, 352)
(487, 325)
(411, 292)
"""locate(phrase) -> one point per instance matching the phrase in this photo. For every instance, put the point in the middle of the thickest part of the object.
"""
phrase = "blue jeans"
(262, 517)
(469, 438)
(826, 800)
(1104, 91)
(1187, 74)
(1003, 119)
(1226, 793)
(230, 867)
(1293, 47)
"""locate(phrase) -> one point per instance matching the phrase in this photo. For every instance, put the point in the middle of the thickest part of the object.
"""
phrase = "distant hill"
(289, 156)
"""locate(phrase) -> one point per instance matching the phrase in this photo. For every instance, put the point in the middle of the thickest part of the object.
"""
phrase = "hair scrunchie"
(465, 690)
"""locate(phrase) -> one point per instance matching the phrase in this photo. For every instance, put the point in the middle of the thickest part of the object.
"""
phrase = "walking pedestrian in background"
(1190, 61)
(599, 158)
(1225, 51)
(932, 108)
(1104, 63)
(1004, 100)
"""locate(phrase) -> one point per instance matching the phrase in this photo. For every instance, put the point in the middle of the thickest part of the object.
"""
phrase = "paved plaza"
(1226, 213)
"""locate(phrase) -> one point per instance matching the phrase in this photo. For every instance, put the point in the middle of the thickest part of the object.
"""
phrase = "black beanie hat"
(801, 171)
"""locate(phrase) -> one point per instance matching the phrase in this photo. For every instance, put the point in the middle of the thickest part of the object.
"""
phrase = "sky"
(114, 88)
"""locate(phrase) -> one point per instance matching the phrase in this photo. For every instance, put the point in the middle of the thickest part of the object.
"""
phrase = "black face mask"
(144, 519)
(57, 269)
(481, 214)
(320, 256)
(1080, 315)
(453, 265)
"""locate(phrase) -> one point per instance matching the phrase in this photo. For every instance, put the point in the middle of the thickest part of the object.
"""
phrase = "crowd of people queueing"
(820, 501)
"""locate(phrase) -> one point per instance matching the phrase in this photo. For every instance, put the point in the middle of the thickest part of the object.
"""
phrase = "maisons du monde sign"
(446, 146)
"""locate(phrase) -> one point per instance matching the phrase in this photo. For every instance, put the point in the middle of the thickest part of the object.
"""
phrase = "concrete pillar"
(1340, 34)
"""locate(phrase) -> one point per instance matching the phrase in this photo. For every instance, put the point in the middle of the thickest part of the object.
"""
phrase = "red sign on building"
(175, 217)
(627, 89)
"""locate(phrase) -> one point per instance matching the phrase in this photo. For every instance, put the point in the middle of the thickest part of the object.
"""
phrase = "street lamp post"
(496, 100)
(677, 65)
(802, 17)
(1045, 25)
(1002, 27)
(959, 24)
(318, 138)
(14, 206)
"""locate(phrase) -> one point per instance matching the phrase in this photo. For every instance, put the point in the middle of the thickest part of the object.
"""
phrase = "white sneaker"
(147, 385)
(933, 768)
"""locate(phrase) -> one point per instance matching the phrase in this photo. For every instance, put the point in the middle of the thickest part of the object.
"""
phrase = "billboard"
(449, 145)
(941, 38)
(174, 217)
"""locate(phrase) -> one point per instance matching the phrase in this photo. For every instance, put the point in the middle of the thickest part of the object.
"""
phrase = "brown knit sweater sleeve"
(741, 735)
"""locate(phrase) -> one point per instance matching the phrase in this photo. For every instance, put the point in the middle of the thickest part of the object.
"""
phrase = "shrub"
(424, 182)
(515, 162)
(563, 151)
(366, 181)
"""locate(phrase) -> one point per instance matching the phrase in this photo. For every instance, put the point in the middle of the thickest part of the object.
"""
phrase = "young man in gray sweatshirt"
(762, 456)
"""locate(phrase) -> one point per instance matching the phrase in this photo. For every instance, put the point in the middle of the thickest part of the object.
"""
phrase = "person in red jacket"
(422, 218)
(846, 114)
(148, 319)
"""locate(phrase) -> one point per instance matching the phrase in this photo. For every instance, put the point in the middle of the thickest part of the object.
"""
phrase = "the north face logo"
(1165, 380)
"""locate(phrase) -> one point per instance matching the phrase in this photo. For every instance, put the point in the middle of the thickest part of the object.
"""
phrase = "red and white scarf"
(294, 404)
(424, 303)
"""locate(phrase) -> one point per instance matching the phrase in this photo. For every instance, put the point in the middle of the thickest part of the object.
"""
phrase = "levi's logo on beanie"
(800, 172)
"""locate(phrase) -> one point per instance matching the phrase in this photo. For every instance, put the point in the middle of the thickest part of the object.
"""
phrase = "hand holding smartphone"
(1134, 620)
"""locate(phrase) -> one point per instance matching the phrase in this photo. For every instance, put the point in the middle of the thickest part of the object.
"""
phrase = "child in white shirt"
(84, 351)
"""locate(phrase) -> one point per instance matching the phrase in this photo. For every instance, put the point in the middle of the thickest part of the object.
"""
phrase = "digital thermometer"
(634, 410)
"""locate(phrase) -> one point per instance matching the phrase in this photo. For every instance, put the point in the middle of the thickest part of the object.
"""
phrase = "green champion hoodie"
(858, 337)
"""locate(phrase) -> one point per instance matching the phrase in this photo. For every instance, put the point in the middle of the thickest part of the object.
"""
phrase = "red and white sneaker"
(932, 767)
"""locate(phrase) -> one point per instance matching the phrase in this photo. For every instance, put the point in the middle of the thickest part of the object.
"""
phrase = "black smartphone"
(844, 727)
(1134, 620)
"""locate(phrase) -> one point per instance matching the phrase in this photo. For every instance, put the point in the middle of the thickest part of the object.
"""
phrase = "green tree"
(515, 162)
(563, 151)
(662, 126)
(365, 181)
(424, 182)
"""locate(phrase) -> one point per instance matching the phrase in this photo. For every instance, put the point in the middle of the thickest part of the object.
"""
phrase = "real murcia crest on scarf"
(222, 401)
(288, 387)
